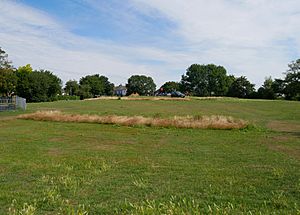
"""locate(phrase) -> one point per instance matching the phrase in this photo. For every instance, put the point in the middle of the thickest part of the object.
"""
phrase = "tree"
(8, 78)
(108, 87)
(8, 82)
(241, 88)
(267, 90)
(4, 62)
(140, 84)
(278, 87)
(23, 84)
(206, 80)
(44, 86)
(170, 86)
(85, 92)
(98, 85)
(292, 81)
(72, 88)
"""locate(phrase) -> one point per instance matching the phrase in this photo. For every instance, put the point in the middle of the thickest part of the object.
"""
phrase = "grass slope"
(73, 168)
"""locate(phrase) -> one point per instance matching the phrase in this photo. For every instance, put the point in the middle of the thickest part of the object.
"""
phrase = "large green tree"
(241, 88)
(44, 86)
(170, 86)
(292, 81)
(23, 84)
(278, 87)
(140, 84)
(8, 82)
(108, 86)
(85, 92)
(72, 88)
(267, 90)
(4, 62)
(206, 80)
(98, 85)
(8, 78)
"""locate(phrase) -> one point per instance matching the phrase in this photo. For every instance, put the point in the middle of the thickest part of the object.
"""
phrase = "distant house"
(120, 90)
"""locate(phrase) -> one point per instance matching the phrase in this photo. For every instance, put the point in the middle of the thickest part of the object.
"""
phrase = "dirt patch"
(104, 147)
(6, 118)
(281, 138)
(284, 126)
(2, 168)
(57, 139)
(285, 143)
(111, 145)
(55, 152)
(293, 152)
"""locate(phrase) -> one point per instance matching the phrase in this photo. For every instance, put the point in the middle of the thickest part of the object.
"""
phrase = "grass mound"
(201, 122)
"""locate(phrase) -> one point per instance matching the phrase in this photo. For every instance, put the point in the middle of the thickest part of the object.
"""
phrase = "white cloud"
(245, 36)
(31, 36)
(256, 38)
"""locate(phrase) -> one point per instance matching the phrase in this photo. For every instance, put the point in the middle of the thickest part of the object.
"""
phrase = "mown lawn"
(52, 168)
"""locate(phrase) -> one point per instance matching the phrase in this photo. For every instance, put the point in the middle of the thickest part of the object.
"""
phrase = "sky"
(157, 38)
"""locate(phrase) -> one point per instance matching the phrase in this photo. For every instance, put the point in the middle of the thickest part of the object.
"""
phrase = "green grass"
(260, 111)
(73, 168)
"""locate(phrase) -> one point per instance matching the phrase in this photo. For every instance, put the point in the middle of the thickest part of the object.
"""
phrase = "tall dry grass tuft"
(203, 122)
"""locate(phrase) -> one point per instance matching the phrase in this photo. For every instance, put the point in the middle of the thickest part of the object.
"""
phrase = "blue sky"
(73, 38)
(112, 20)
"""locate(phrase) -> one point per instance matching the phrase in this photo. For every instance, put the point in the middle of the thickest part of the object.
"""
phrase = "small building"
(120, 90)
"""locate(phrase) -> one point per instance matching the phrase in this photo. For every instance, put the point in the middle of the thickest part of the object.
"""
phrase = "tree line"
(212, 80)
(199, 80)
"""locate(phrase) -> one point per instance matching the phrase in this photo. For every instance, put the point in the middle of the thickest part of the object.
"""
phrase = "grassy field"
(80, 168)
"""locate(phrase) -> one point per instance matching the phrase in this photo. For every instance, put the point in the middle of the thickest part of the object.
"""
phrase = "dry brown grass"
(204, 122)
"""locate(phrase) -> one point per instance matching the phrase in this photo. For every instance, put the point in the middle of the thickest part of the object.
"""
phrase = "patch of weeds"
(98, 167)
(253, 128)
(88, 165)
(279, 200)
(51, 195)
(139, 182)
(25, 209)
(102, 167)
(68, 209)
(55, 184)
(56, 165)
(69, 168)
(176, 205)
(52, 198)
(278, 173)
(183, 205)
(69, 183)
(51, 192)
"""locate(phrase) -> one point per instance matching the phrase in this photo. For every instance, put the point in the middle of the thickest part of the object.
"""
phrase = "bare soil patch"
(293, 152)
(55, 152)
(6, 118)
(281, 144)
(284, 126)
